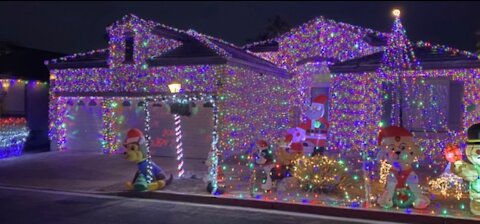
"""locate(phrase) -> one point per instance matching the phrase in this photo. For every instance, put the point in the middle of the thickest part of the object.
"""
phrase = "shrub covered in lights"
(322, 174)
(13, 134)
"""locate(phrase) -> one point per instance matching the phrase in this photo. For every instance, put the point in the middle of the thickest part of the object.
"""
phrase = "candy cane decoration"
(178, 135)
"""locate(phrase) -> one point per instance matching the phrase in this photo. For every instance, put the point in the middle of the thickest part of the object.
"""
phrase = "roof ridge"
(205, 41)
(310, 22)
(448, 49)
(72, 56)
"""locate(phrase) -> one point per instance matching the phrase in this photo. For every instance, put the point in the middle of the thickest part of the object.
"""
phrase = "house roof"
(372, 37)
(25, 63)
(196, 49)
(430, 57)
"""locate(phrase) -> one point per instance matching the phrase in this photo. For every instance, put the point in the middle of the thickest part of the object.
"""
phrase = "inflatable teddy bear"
(402, 188)
(135, 151)
(469, 171)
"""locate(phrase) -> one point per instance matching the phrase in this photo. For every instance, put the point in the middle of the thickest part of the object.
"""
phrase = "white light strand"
(216, 152)
(147, 141)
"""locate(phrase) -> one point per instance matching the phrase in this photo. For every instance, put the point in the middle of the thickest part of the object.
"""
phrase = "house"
(24, 90)
(97, 96)
(241, 95)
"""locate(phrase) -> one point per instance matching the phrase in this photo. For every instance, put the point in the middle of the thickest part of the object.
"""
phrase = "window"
(433, 106)
(129, 45)
(317, 91)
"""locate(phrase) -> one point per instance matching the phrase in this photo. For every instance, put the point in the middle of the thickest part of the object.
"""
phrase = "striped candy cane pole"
(178, 135)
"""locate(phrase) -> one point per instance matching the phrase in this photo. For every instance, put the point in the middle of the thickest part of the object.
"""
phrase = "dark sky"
(71, 27)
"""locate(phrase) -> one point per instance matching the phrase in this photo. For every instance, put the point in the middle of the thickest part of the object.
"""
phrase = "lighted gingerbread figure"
(136, 151)
(402, 188)
(469, 171)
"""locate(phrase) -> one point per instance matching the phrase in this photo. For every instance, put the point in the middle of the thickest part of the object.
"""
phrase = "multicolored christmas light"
(13, 135)
(320, 38)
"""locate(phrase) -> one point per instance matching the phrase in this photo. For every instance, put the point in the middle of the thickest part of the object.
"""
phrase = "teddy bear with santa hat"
(402, 188)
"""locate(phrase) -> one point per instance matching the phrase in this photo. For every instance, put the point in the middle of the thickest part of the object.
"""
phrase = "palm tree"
(276, 27)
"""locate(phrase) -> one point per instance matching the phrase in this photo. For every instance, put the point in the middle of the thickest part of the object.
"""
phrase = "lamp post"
(174, 88)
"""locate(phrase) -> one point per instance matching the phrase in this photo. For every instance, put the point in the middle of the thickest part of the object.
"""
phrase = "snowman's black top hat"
(474, 135)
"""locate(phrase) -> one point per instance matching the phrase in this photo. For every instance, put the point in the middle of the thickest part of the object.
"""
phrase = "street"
(22, 205)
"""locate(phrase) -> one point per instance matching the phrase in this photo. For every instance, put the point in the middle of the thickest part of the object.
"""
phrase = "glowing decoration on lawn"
(276, 164)
(470, 171)
(385, 168)
(13, 135)
(448, 184)
(322, 174)
(149, 176)
(402, 186)
(179, 148)
(316, 127)
(175, 88)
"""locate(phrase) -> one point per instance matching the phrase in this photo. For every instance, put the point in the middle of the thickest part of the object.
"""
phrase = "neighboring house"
(24, 90)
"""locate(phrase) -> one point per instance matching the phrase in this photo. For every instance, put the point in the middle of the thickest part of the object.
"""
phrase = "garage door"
(84, 125)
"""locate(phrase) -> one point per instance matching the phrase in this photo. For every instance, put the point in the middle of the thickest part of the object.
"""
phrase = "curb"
(354, 213)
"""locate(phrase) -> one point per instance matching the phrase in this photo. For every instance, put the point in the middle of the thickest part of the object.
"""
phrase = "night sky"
(71, 27)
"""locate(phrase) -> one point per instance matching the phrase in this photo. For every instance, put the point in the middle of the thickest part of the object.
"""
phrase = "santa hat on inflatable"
(393, 132)
(134, 135)
(262, 144)
(320, 100)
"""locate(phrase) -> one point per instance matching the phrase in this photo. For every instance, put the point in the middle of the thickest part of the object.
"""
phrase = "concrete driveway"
(90, 172)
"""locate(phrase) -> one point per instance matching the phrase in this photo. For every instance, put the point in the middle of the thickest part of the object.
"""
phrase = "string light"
(147, 140)
(384, 171)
